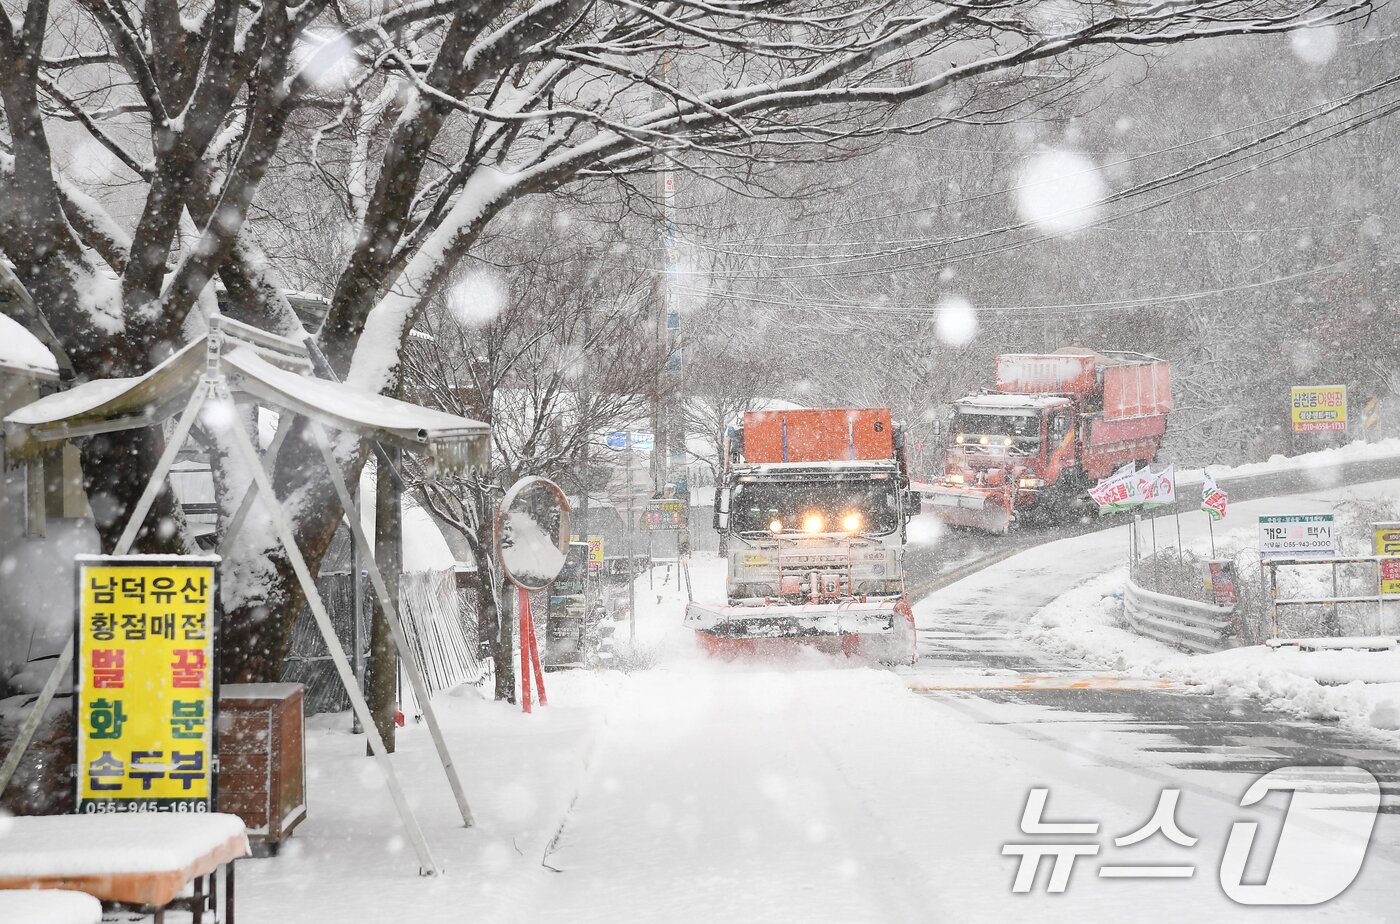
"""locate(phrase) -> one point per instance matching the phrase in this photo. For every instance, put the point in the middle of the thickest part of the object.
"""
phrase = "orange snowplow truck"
(1055, 424)
(813, 505)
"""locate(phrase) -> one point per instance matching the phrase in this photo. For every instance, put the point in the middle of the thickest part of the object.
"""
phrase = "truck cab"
(1053, 423)
(844, 524)
(1023, 440)
(812, 506)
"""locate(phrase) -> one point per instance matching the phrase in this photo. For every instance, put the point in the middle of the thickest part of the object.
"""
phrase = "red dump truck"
(813, 505)
(1055, 424)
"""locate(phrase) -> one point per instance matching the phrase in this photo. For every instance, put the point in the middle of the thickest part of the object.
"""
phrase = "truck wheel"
(1057, 504)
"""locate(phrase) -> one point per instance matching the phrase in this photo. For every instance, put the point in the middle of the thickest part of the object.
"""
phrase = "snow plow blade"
(971, 507)
(881, 631)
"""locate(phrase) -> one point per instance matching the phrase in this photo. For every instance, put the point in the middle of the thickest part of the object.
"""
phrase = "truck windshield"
(866, 507)
(1024, 429)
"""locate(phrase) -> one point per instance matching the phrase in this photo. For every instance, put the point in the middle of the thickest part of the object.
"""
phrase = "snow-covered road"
(818, 791)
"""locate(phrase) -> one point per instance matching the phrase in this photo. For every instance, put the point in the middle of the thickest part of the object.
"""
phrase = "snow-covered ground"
(811, 790)
(1317, 461)
(1360, 689)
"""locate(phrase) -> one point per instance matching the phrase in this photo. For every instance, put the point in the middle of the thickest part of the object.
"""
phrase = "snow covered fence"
(438, 620)
(1189, 624)
(1374, 617)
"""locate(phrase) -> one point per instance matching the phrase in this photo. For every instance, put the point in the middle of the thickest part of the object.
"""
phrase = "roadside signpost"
(146, 683)
(532, 545)
(1297, 536)
(1387, 537)
(595, 551)
(664, 514)
(629, 440)
(1221, 582)
(1318, 408)
(1390, 577)
(618, 439)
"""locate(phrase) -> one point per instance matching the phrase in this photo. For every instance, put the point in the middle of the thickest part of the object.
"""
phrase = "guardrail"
(1190, 624)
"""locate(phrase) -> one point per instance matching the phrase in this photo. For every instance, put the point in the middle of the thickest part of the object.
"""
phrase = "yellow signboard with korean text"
(1388, 547)
(1318, 408)
(146, 683)
(1387, 539)
(595, 551)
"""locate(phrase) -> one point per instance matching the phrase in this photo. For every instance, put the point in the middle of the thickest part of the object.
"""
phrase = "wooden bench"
(140, 859)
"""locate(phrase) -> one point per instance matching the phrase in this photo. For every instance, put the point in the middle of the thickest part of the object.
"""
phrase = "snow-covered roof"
(345, 408)
(1010, 404)
(21, 351)
(106, 405)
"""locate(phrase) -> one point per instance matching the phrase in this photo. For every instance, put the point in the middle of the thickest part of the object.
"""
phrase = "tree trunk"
(258, 629)
(388, 555)
(492, 626)
(116, 467)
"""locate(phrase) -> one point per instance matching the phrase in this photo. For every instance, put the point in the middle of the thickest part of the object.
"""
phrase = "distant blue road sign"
(617, 439)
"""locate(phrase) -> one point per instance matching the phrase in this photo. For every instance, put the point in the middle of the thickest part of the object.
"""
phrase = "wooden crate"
(262, 759)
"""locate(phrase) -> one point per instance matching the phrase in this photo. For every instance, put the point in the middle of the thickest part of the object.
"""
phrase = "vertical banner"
(1214, 501)
(145, 680)
(1164, 487)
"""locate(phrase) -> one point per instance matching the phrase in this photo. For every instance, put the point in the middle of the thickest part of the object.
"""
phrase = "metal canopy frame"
(215, 385)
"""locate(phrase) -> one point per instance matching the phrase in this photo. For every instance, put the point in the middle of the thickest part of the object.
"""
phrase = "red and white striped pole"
(529, 654)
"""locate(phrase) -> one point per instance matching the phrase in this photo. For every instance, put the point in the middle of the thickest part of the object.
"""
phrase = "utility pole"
(631, 557)
(584, 398)
(666, 316)
(660, 319)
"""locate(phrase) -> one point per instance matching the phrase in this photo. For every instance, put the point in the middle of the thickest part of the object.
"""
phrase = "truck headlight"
(813, 523)
(851, 522)
(776, 526)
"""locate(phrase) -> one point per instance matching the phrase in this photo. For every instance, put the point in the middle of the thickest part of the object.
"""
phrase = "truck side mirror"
(721, 509)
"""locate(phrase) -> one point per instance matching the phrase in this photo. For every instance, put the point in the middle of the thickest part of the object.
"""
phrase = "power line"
(1126, 304)
(1326, 107)
(1286, 147)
